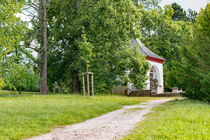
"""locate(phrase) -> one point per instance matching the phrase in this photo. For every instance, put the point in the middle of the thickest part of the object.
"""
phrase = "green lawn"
(177, 120)
(26, 115)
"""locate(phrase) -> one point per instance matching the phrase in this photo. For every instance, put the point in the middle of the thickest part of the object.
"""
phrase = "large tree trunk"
(43, 43)
(75, 74)
(75, 82)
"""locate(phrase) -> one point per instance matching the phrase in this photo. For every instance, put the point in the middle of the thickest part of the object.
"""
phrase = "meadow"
(176, 120)
(30, 114)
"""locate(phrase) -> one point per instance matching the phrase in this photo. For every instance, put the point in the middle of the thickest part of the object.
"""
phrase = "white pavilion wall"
(159, 66)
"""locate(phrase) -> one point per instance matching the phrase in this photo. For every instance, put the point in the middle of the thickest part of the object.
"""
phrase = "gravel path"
(113, 125)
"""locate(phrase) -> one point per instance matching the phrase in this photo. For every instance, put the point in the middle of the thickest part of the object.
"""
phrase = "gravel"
(113, 125)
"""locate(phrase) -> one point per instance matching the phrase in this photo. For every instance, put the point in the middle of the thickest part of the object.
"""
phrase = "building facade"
(155, 82)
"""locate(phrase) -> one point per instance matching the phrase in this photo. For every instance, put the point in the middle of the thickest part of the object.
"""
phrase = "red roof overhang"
(154, 59)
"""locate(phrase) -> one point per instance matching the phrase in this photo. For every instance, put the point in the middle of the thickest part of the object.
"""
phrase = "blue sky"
(186, 4)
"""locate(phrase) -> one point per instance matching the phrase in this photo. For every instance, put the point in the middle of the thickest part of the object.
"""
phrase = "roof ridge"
(144, 50)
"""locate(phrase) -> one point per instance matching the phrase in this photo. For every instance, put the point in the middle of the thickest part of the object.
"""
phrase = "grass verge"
(177, 120)
(26, 115)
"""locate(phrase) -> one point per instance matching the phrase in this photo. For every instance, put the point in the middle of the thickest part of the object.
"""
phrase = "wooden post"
(92, 85)
(83, 80)
(88, 86)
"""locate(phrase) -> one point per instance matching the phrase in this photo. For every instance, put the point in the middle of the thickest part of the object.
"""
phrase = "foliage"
(185, 119)
(98, 34)
(194, 71)
(148, 4)
(29, 114)
(179, 12)
(10, 25)
(181, 15)
(20, 77)
(2, 83)
(86, 50)
(163, 36)
(11, 29)
(16, 67)
(108, 26)
(138, 70)
(183, 43)
(192, 15)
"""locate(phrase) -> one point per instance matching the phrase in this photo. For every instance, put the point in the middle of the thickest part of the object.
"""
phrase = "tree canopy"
(109, 27)
(10, 25)
(193, 73)
(16, 66)
(10, 30)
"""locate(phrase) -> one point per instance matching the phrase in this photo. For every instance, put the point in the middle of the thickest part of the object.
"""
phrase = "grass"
(177, 120)
(27, 115)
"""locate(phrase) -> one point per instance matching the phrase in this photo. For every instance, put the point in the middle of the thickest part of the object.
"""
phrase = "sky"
(186, 4)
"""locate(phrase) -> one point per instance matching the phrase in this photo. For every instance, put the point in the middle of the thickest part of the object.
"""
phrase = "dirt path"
(110, 126)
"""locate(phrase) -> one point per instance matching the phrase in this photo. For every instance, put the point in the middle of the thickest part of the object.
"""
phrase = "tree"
(9, 25)
(192, 15)
(43, 44)
(20, 77)
(179, 12)
(19, 71)
(148, 4)
(10, 30)
(36, 9)
(194, 70)
(181, 15)
(109, 26)
(164, 36)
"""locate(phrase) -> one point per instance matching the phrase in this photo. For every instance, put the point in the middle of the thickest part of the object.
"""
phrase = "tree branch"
(35, 49)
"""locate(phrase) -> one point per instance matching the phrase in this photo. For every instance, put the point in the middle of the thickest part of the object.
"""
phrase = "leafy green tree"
(109, 27)
(193, 73)
(10, 25)
(19, 69)
(192, 15)
(86, 51)
(164, 36)
(148, 4)
(179, 12)
(10, 30)
(36, 10)
(181, 15)
(16, 67)
(164, 31)
(19, 77)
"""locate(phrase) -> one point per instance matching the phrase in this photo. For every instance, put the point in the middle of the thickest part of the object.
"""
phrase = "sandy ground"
(113, 125)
